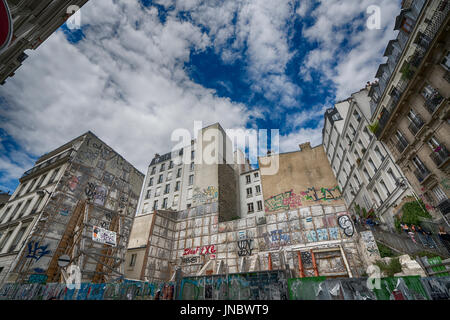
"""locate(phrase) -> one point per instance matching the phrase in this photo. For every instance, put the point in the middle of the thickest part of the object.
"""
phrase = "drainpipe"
(316, 270)
(270, 261)
(300, 265)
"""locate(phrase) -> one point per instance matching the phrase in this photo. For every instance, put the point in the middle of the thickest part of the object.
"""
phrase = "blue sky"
(137, 70)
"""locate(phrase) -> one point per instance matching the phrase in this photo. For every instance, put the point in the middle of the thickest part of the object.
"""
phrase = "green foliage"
(413, 211)
(357, 209)
(385, 251)
(364, 213)
(373, 127)
(390, 268)
(406, 71)
(428, 254)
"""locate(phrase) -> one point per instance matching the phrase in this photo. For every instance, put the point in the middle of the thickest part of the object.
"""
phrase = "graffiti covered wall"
(195, 239)
(304, 178)
(112, 186)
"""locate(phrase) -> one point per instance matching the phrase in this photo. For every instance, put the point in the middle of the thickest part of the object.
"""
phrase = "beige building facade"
(410, 102)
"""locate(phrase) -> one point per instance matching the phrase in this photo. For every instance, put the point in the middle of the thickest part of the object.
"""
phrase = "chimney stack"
(305, 146)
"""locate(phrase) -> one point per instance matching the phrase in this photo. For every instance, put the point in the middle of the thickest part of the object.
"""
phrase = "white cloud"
(127, 85)
(337, 24)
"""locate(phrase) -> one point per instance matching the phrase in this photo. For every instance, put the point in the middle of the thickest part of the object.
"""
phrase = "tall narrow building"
(410, 102)
(79, 200)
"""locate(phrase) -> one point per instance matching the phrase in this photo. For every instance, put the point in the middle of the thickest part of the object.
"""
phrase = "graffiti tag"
(346, 224)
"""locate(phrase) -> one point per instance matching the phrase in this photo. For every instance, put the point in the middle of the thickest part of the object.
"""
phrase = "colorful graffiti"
(346, 224)
(265, 285)
(35, 251)
(211, 249)
(289, 200)
(245, 247)
(325, 194)
(208, 195)
(276, 238)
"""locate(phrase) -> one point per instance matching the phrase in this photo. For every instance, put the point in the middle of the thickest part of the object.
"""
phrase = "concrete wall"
(197, 242)
(304, 178)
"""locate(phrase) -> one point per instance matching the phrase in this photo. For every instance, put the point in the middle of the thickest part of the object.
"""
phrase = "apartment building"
(251, 195)
(182, 179)
(410, 108)
(33, 22)
(364, 168)
(81, 186)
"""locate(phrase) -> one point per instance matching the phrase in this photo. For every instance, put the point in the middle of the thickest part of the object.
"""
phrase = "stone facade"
(410, 102)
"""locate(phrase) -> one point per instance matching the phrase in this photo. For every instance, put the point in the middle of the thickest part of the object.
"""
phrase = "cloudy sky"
(137, 70)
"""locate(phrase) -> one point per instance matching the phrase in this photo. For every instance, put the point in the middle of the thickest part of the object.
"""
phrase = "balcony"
(439, 155)
(401, 145)
(415, 126)
(432, 103)
(444, 206)
(385, 115)
(421, 174)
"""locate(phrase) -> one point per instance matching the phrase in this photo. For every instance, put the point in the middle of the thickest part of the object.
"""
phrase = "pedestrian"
(157, 295)
(405, 228)
(355, 222)
(445, 238)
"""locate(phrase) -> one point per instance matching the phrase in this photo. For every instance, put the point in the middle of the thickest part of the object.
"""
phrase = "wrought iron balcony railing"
(440, 155)
(415, 126)
(422, 174)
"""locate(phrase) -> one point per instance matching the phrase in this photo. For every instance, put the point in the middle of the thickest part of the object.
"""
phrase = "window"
(439, 194)
(258, 189)
(158, 192)
(17, 239)
(170, 164)
(160, 178)
(15, 210)
(5, 240)
(167, 189)
(169, 176)
(175, 200)
(191, 180)
(407, 25)
(402, 142)
(379, 154)
(148, 195)
(385, 188)
(377, 196)
(192, 154)
(191, 167)
(445, 62)
(250, 207)
(153, 170)
(179, 173)
(188, 205)
(248, 179)
(133, 259)
(372, 165)
(366, 173)
(150, 182)
(30, 187)
(259, 204)
(356, 115)
(392, 176)
(164, 205)
(256, 174)
(53, 176)
(155, 205)
(163, 167)
(5, 214)
(24, 209)
(177, 186)
(357, 180)
(249, 192)
(41, 181)
(366, 132)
